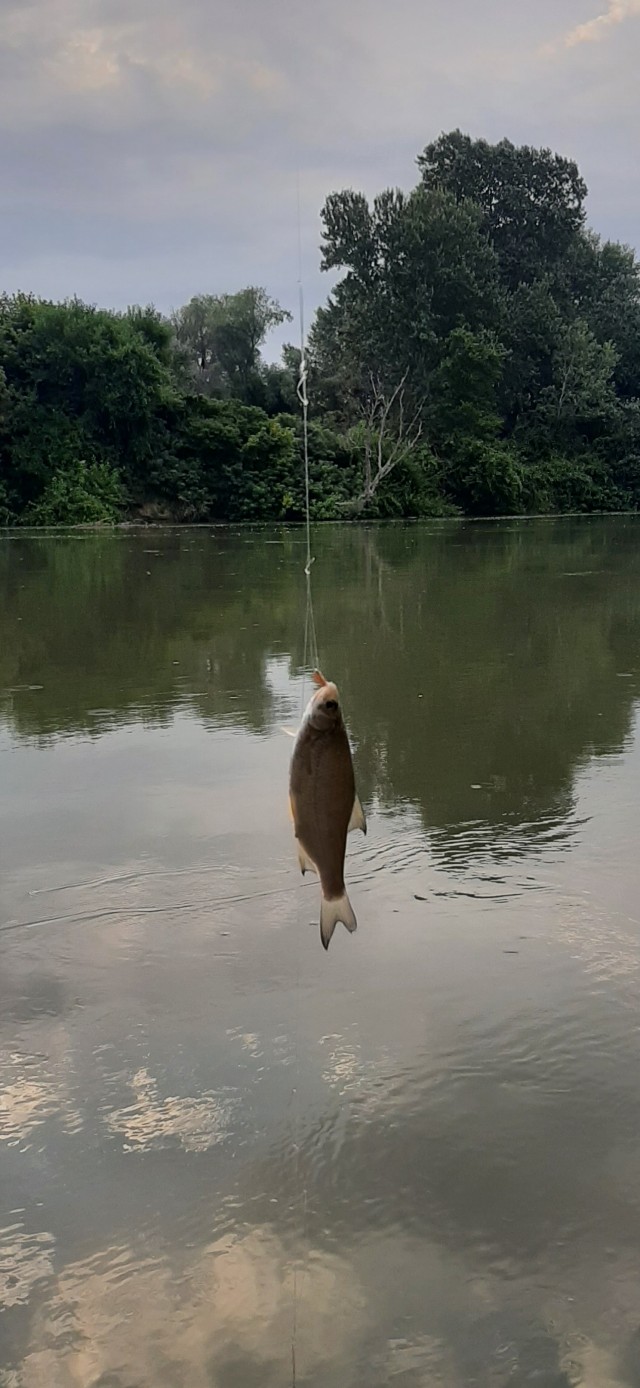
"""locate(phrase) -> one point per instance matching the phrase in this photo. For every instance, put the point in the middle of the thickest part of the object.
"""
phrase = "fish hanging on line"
(324, 804)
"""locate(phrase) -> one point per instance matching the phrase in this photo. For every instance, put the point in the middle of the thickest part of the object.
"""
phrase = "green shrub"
(570, 484)
(487, 480)
(80, 493)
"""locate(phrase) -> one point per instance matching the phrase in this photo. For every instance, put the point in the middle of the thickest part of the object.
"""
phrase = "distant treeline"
(479, 353)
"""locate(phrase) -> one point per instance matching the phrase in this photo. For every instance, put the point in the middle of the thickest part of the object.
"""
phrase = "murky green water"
(428, 1140)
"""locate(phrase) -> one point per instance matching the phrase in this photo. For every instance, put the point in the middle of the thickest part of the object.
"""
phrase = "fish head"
(324, 710)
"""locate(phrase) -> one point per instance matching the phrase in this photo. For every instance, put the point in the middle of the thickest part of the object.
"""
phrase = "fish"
(324, 803)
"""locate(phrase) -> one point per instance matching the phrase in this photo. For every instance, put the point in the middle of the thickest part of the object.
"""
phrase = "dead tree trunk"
(390, 437)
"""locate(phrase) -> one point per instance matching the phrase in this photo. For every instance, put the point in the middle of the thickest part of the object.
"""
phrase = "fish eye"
(331, 703)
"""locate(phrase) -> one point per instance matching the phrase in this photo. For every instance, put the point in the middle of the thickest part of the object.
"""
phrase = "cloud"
(153, 151)
(593, 30)
(70, 61)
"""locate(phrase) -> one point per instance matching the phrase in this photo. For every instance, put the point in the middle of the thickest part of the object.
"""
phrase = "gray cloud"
(151, 151)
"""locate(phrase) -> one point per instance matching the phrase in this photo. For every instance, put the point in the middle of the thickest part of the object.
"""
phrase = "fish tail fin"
(333, 911)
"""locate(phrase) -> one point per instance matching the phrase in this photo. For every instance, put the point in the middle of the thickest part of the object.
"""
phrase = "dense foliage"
(480, 352)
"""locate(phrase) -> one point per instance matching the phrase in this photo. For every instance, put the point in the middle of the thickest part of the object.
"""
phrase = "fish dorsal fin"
(319, 679)
(357, 820)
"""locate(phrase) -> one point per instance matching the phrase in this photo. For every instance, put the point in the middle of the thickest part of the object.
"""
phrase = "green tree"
(222, 335)
(480, 350)
(154, 329)
(606, 289)
(581, 399)
(280, 382)
(531, 336)
(419, 272)
(415, 268)
(81, 385)
(532, 200)
(464, 388)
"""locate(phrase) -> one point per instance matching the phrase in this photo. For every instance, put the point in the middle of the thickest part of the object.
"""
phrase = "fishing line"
(310, 651)
(310, 637)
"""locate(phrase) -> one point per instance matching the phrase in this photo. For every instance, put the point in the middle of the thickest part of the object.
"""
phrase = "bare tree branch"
(389, 436)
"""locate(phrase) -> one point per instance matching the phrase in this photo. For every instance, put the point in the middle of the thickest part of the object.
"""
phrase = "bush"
(626, 477)
(7, 513)
(80, 493)
(412, 490)
(570, 484)
(487, 479)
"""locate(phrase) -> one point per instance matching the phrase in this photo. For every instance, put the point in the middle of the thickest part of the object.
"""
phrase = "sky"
(151, 151)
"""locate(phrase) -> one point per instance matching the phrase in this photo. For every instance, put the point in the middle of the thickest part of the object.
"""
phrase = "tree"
(581, 397)
(222, 335)
(531, 335)
(606, 290)
(416, 268)
(82, 384)
(480, 351)
(387, 436)
(195, 327)
(532, 201)
(154, 329)
(280, 382)
(463, 393)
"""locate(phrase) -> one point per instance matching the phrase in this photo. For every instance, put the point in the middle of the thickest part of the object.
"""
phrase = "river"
(225, 1156)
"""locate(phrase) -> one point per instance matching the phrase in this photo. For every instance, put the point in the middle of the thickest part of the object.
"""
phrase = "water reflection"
(225, 1320)
(148, 1122)
(417, 1159)
(25, 1260)
(481, 665)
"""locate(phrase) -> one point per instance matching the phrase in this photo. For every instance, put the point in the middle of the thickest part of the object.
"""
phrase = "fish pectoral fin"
(357, 820)
(304, 860)
(289, 732)
(318, 679)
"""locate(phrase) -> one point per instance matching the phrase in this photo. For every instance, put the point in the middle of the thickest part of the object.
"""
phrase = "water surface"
(416, 1158)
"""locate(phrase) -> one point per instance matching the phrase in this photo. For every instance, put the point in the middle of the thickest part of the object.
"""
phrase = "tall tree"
(532, 200)
(416, 268)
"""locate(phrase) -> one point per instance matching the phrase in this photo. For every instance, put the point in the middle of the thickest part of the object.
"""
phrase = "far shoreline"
(142, 526)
